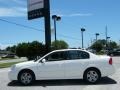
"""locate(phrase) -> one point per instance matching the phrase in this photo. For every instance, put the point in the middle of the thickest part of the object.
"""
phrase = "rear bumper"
(108, 71)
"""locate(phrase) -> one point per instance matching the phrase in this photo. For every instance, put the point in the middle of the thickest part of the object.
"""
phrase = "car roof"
(69, 50)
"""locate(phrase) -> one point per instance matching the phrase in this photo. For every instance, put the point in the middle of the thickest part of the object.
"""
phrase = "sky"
(93, 15)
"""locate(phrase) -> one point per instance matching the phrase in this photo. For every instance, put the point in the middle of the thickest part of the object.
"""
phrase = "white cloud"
(4, 46)
(21, 2)
(58, 12)
(13, 12)
(18, 10)
(75, 15)
(80, 14)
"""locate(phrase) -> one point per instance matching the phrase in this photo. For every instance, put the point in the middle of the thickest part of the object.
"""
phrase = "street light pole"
(97, 34)
(108, 43)
(55, 18)
(106, 32)
(119, 43)
(82, 30)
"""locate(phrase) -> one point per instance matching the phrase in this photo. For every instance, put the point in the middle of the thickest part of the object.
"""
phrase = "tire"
(92, 76)
(26, 77)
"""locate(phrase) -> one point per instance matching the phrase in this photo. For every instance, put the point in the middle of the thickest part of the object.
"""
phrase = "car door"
(76, 63)
(53, 67)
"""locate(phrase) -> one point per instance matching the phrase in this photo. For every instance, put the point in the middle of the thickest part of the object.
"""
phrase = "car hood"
(25, 64)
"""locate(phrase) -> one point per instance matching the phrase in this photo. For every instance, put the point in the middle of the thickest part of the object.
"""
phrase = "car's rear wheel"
(92, 76)
(26, 77)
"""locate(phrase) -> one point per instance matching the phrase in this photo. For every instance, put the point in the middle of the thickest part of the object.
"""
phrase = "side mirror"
(43, 60)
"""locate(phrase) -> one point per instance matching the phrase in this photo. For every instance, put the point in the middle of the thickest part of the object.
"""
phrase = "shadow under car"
(68, 82)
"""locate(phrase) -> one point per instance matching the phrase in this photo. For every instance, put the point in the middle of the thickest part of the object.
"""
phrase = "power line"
(28, 27)
(32, 28)
(69, 37)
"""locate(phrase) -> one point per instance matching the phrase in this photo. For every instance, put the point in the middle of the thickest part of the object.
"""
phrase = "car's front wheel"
(92, 76)
(26, 77)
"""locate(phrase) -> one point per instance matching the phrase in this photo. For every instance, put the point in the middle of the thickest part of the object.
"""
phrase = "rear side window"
(83, 55)
(75, 54)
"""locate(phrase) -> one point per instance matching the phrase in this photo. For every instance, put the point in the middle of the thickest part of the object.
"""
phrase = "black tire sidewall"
(85, 76)
(20, 74)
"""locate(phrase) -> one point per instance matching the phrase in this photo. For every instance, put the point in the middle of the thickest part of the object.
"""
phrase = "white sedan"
(63, 64)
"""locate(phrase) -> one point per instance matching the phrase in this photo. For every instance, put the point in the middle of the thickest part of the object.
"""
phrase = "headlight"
(13, 67)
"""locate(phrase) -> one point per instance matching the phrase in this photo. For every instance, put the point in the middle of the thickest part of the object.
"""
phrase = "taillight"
(110, 61)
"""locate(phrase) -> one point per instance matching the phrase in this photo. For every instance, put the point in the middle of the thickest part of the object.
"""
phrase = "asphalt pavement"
(108, 83)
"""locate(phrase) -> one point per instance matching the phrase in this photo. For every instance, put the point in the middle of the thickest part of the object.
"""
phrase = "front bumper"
(12, 75)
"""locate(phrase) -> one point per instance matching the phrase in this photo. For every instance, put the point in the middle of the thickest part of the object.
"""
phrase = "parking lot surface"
(107, 83)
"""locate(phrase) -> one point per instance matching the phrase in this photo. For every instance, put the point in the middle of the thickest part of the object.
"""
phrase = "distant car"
(9, 56)
(114, 52)
(63, 64)
(92, 51)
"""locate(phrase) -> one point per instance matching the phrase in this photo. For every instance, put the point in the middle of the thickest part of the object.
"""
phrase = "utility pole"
(106, 33)
(91, 41)
(108, 42)
(119, 43)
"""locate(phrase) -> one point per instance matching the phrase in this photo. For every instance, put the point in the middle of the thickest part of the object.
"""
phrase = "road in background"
(108, 83)
(14, 60)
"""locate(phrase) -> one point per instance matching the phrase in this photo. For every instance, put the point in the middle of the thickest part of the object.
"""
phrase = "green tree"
(36, 49)
(97, 46)
(112, 45)
(59, 44)
(101, 45)
(8, 48)
(30, 50)
(22, 49)
(12, 49)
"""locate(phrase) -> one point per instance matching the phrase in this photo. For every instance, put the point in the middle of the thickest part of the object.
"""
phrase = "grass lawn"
(7, 58)
(5, 65)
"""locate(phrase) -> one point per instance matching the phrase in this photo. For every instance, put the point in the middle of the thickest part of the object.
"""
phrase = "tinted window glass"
(73, 55)
(57, 56)
(78, 55)
(83, 55)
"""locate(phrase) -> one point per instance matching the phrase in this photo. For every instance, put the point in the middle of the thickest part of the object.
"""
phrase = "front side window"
(56, 56)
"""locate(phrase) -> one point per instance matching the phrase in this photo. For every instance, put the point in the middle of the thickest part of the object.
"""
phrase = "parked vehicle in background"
(9, 56)
(92, 50)
(63, 64)
(114, 52)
